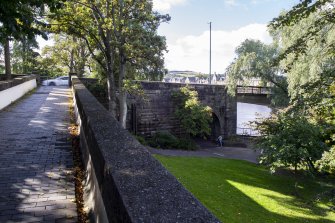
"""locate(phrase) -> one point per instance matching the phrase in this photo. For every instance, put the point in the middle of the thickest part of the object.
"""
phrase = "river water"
(247, 112)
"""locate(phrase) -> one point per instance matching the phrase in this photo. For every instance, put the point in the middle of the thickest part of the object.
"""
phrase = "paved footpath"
(36, 180)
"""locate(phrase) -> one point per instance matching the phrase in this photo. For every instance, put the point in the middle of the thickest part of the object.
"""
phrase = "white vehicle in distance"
(59, 81)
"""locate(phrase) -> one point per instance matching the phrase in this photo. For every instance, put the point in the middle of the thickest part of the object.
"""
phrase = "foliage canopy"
(304, 133)
(255, 60)
(290, 140)
(195, 118)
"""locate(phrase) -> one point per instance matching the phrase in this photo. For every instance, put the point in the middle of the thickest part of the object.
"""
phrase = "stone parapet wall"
(12, 90)
(19, 79)
(127, 183)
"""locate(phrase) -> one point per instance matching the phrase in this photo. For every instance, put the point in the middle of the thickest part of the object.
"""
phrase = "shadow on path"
(36, 180)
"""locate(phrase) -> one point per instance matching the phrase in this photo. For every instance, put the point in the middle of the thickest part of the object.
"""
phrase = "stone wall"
(155, 112)
(126, 182)
(16, 80)
(12, 90)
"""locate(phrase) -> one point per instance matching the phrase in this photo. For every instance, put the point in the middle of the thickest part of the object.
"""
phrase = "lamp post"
(210, 53)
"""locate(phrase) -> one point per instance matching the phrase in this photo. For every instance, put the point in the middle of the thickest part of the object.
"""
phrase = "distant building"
(166, 79)
(191, 77)
(191, 80)
(218, 79)
(203, 80)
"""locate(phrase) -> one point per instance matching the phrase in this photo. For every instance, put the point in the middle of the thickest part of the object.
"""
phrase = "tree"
(194, 117)
(306, 54)
(24, 57)
(115, 33)
(137, 42)
(48, 66)
(2, 68)
(69, 53)
(255, 60)
(327, 161)
(7, 57)
(307, 36)
(22, 19)
(325, 113)
(290, 140)
(324, 9)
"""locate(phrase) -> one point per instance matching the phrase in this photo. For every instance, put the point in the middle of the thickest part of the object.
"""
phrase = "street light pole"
(210, 53)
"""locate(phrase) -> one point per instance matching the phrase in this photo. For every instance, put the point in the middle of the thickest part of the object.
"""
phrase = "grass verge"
(239, 191)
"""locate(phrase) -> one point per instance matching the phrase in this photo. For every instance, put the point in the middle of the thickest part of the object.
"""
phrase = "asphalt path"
(209, 149)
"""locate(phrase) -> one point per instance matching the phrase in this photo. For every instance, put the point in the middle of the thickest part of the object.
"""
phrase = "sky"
(233, 21)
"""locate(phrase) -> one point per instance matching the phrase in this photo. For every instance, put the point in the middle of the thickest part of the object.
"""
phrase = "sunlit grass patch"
(239, 191)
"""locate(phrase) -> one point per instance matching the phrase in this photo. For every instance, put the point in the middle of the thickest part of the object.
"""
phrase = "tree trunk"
(311, 165)
(111, 88)
(81, 61)
(72, 61)
(7, 59)
(25, 50)
(122, 92)
(123, 108)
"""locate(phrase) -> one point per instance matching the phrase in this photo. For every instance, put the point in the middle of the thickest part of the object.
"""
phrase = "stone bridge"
(156, 112)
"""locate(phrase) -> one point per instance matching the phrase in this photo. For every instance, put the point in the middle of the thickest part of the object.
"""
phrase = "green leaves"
(22, 18)
(24, 58)
(327, 161)
(68, 54)
(304, 132)
(112, 28)
(290, 140)
(195, 118)
(256, 60)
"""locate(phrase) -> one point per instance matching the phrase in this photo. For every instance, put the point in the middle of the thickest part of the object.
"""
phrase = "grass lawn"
(239, 191)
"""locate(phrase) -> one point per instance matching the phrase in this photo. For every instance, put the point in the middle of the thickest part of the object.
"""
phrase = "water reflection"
(246, 113)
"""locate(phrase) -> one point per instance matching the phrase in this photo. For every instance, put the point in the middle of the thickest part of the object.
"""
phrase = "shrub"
(290, 140)
(327, 161)
(166, 140)
(141, 140)
(187, 144)
(194, 117)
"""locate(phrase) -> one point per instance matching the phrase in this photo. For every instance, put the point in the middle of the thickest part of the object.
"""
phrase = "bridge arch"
(215, 127)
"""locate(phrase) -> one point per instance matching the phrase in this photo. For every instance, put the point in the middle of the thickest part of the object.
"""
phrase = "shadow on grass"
(238, 191)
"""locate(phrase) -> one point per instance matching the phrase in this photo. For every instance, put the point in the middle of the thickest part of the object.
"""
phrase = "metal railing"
(247, 132)
(253, 90)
